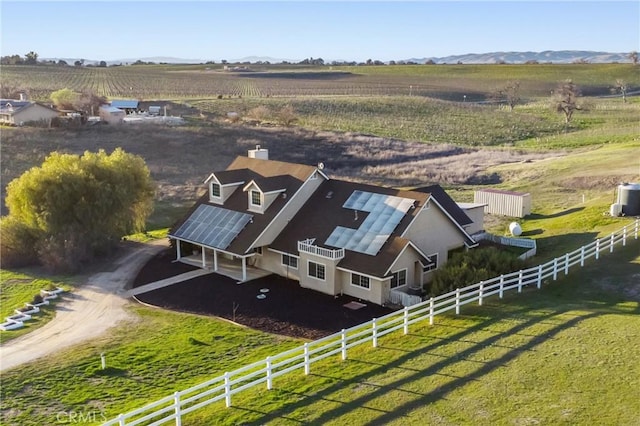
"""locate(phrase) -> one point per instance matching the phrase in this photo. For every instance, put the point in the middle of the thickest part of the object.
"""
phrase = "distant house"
(19, 112)
(111, 115)
(129, 106)
(332, 236)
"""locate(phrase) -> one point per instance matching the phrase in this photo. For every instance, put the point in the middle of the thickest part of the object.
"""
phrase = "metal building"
(507, 203)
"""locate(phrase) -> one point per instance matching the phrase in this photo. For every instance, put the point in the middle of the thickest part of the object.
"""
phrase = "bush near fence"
(173, 407)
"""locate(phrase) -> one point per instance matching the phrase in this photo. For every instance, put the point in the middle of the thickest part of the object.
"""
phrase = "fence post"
(431, 311)
(566, 264)
(624, 236)
(539, 276)
(375, 334)
(227, 390)
(501, 285)
(406, 320)
(611, 244)
(306, 359)
(269, 382)
(343, 340)
(598, 249)
(555, 269)
(121, 420)
(520, 282)
(457, 301)
(480, 294)
(176, 403)
(582, 256)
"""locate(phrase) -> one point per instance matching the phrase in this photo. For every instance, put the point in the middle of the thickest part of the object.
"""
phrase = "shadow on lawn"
(559, 308)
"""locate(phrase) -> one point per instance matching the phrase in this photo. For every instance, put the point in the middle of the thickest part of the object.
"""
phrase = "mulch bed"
(287, 309)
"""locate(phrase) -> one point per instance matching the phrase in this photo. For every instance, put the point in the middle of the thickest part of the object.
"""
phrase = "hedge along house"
(333, 236)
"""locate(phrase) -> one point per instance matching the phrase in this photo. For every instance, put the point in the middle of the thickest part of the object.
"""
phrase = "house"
(19, 112)
(332, 236)
(111, 114)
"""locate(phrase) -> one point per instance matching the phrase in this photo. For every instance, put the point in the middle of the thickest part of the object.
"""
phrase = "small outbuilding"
(506, 203)
(111, 114)
(129, 106)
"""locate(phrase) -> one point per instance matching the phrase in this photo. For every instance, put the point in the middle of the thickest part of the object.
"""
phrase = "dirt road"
(87, 312)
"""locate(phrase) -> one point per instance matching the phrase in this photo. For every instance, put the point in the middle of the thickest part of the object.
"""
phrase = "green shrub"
(471, 267)
(17, 243)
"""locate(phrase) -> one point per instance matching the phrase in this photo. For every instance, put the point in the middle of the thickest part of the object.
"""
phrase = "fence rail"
(173, 407)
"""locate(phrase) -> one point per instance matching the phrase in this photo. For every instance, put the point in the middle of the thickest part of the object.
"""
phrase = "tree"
(621, 87)
(77, 63)
(64, 98)
(89, 102)
(102, 64)
(31, 58)
(566, 100)
(510, 94)
(76, 208)
(634, 57)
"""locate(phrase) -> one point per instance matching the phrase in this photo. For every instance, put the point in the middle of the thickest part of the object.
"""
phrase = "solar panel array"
(213, 226)
(385, 213)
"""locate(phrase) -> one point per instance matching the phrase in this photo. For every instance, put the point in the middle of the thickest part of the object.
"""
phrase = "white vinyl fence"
(513, 242)
(173, 407)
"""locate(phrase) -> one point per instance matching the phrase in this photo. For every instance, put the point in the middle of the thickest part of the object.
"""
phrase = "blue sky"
(332, 30)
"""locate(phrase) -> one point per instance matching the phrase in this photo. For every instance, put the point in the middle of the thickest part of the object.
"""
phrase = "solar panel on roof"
(385, 213)
(212, 226)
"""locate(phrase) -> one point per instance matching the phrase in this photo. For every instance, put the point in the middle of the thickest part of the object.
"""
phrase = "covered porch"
(227, 264)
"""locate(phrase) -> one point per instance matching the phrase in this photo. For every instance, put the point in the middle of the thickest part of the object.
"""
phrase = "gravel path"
(89, 311)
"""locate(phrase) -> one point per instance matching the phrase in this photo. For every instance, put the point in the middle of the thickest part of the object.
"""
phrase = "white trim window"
(216, 190)
(256, 198)
(433, 265)
(399, 278)
(290, 261)
(360, 281)
(257, 250)
(316, 270)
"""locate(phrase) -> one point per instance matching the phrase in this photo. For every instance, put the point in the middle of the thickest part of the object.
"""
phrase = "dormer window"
(215, 190)
(256, 198)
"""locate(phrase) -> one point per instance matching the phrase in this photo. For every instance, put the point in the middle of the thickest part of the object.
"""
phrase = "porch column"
(204, 259)
(244, 269)
(178, 255)
(215, 259)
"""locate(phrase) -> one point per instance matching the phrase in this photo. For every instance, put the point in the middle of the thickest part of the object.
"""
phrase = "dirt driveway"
(92, 309)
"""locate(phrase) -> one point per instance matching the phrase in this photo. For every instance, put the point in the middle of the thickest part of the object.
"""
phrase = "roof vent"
(329, 194)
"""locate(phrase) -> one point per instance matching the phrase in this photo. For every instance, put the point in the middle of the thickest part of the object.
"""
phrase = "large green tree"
(74, 208)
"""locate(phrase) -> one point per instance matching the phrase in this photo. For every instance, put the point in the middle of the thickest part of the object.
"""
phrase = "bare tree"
(621, 87)
(566, 100)
(510, 94)
(634, 57)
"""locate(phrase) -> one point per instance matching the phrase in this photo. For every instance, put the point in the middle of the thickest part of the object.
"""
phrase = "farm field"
(560, 355)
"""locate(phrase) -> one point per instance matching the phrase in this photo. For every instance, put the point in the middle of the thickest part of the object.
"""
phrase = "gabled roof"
(324, 211)
(289, 177)
(447, 203)
(12, 106)
(271, 184)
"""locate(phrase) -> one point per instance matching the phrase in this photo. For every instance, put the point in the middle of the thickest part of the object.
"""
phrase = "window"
(215, 190)
(433, 265)
(399, 278)
(257, 250)
(316, 270)
(290, 261)
(256, 198)
(360, 280)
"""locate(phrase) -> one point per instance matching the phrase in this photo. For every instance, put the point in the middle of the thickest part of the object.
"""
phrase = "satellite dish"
(321, 166)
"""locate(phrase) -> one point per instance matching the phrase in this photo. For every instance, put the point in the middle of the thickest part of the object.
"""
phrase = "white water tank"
(629, 198)
(515, 229)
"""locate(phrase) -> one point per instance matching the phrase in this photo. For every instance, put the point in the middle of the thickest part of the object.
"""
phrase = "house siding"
(33, 113)
(433, 232)
(330, 284)
(272, 262)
